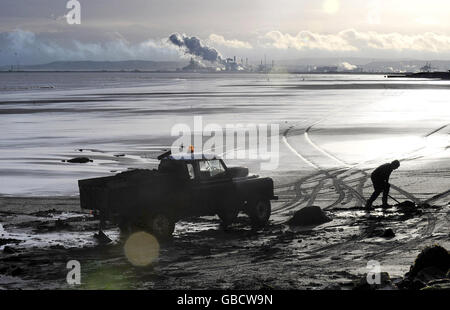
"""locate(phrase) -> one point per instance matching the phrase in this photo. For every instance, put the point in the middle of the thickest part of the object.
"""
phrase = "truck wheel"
(124, 228)
(162, 226)
(127, 227)
(228, 215)
(259, 213)
(228, 211)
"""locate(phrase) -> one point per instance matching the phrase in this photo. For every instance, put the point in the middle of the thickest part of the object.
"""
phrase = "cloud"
(220, 40)
(425, 20)
(352, 40)
(27, 47)
(307, 40)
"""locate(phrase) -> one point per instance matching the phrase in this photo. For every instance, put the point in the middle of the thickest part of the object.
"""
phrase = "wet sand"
(329, 143)
(47, 232)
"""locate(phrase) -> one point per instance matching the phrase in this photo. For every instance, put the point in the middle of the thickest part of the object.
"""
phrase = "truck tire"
(124, 227)
(228, 215)
(228, 211)
(127, 227)
(162, 226)
(259, 212)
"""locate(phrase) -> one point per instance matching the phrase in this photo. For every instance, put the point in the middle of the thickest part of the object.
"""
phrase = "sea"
(124, 120)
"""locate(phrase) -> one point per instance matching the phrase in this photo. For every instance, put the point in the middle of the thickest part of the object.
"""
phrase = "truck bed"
(127, 190)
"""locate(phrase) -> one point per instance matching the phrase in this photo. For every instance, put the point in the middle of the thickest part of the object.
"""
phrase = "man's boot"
(369, 205)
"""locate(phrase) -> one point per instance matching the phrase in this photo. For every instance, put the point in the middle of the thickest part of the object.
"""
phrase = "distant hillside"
(366, 64)
(128, 65)
(406, 65)
(293, 65)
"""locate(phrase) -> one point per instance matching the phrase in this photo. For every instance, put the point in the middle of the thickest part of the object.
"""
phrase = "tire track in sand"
(427, 231)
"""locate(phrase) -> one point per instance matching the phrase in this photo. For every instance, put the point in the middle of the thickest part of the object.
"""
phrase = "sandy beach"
(334, 130)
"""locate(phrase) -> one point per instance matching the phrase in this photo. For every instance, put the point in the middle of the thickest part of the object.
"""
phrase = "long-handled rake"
(394, 199)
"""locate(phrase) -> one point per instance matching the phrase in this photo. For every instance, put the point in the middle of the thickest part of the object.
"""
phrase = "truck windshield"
(211, 168)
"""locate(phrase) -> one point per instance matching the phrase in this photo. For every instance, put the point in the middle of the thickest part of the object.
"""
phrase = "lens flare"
(141, 249)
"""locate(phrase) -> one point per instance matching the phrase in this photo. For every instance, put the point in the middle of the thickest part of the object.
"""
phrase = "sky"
(37, 31)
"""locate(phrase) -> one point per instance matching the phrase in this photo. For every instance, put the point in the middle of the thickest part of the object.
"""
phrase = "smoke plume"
(193, 46)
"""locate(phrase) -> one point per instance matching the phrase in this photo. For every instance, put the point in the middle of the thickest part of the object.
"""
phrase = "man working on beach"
(380, 180)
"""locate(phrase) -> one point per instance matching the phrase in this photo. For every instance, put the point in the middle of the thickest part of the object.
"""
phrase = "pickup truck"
(184, 185)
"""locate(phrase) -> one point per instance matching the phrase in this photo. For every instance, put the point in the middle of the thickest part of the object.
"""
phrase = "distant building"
(232, 65)
(263, 67)
(192, 66)
(195, 66)
(225, 65)
(426, 68)
(326, 69)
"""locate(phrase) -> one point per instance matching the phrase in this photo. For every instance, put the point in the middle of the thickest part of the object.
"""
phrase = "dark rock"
(424, 206)
(9, 250)
(407, 206)
(380, 232)
(385, 282)
(11, 270)
(46, 213)
(266, 287)
(79, 160)
(332, 287)
(309, 216)
(430, 265)
(53, 225)
(59, 224)
(433, 256)
(388, 233)
(417, 285)
(442, 284)
(429, 274)
(410, 284)
(8, 240)
(16, 271)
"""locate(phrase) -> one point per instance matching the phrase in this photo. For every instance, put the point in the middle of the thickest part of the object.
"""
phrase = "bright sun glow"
(331, 6)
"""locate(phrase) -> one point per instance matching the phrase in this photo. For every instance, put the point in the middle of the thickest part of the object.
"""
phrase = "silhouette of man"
(380, 180)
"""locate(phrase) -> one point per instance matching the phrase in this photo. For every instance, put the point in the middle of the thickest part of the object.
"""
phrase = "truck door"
(214, 185)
